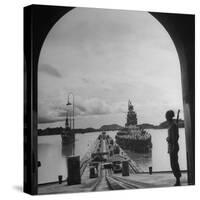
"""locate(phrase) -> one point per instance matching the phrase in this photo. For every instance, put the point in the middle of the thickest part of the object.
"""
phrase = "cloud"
(85, 80)
(46, 120)
(93, 106)
(48, 69)
(49, 112)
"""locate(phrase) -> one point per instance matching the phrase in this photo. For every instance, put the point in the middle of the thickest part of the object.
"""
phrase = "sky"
(106, 57)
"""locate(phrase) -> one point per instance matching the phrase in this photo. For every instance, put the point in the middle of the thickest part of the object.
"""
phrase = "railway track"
(117, 183)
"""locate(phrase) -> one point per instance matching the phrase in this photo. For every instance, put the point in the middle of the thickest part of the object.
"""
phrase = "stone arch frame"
(38, 21)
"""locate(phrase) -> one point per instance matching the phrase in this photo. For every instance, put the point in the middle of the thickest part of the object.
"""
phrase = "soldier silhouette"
(173, 146)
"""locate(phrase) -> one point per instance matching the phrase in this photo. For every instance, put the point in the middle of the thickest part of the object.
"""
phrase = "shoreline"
(102, 131)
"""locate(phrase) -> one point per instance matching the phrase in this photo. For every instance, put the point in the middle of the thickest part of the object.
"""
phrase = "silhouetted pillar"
(73, 166)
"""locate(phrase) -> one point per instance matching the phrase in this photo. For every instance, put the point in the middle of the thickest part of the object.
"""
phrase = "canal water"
(52, 154)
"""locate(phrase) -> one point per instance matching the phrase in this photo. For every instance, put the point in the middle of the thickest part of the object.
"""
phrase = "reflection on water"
(67, 150)
(50, 156)
(144, 161)
(53, 154)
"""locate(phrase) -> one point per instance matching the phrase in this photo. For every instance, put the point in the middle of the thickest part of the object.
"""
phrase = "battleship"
(133, 137)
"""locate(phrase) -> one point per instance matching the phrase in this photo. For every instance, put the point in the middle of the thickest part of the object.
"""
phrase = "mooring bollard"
(60, 179)
(125, 168)
(150, 170)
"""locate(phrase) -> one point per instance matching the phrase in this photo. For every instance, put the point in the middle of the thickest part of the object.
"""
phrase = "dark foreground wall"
(181, 28)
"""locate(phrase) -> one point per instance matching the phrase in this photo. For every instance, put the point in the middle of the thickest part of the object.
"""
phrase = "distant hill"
(147, 126)
(110, 127)
(59, 130)
(164, 124)
(50, 131)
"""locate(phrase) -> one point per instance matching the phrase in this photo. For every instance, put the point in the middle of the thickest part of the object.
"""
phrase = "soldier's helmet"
(169, 114)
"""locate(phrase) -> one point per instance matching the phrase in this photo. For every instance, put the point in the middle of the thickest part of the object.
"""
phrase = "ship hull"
(134, 140)
(139, 146)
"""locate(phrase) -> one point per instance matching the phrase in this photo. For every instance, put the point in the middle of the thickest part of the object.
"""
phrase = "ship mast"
(71, 113)
(66, 121)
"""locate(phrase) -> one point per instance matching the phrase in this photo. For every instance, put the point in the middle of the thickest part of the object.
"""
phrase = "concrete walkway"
(100, 184)
(151, 181)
